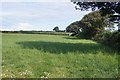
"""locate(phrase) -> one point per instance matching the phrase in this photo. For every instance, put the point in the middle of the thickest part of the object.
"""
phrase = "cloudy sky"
(41, 15)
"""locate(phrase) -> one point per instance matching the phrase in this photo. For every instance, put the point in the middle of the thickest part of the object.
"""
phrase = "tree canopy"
(73, 27)
(56, 29)
(90, 25)
(104, 7)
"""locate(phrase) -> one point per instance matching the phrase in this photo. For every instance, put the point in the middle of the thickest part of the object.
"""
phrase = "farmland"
(56, 56)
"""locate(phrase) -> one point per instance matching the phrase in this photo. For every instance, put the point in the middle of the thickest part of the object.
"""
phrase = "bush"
(111, 39)
(84, 35)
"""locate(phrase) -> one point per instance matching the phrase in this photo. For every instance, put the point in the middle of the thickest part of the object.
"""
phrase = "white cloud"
(17, 14)
(46, 8)
(5, 14)
(35, 1)
(39, 15)
(23, 26)
(19, 26)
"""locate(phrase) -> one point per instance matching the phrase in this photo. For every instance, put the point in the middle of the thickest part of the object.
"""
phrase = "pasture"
(56, 56)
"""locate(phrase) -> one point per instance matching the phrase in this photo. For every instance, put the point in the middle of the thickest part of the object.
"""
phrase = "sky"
(42, 15)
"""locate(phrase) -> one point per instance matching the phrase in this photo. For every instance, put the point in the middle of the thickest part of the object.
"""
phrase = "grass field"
(55, 56)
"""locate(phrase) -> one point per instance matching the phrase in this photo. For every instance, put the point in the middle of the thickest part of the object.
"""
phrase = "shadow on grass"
(72, 38)
(57, 47)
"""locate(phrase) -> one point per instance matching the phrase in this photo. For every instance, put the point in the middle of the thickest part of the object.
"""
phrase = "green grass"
(54, 56)
(0, 53)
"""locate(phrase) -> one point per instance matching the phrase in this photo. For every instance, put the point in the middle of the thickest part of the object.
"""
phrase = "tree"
(90, 25)
(73, 27)
(104, 7)
(93, 23)
(118, 27)
(56, 29)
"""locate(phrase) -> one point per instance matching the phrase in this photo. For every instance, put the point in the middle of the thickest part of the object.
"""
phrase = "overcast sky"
(44, 15)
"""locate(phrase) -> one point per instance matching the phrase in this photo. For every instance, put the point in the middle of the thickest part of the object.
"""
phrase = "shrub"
(111, 39)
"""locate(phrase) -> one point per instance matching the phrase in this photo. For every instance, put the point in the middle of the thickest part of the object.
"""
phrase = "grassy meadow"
(56, 56)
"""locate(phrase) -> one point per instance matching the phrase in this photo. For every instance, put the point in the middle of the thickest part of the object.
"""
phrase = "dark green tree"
(104, 7)
(56, 29)
(93, 23)
(73, 27)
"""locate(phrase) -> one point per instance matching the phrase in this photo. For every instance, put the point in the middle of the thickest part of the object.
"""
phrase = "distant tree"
(104, 7)
(73, 27)
(56, 29)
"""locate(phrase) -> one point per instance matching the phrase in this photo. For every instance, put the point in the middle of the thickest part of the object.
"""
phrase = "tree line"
(99, 24)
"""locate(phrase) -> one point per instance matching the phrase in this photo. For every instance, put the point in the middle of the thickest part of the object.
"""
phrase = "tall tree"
(93, 23)
(104, 7)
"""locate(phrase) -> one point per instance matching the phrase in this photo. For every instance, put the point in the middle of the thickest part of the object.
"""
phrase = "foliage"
(93, 23)
(90, 25)
(53, 56)
(111, 39)
(56, 29)
(104, 7)
(73, 27)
